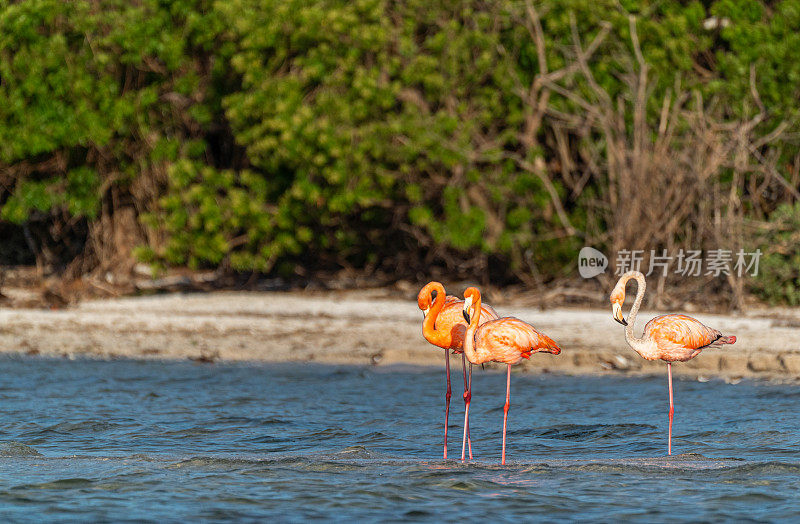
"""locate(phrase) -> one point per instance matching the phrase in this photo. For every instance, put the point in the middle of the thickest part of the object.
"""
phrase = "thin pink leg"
(671, 409)
(505, 412)
(466, 440)
(469, 389)
(466, 421)
(447, 398)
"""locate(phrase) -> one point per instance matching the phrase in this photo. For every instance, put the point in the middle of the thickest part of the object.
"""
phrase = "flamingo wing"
(509, 339)
(681, 331)
(488, 312)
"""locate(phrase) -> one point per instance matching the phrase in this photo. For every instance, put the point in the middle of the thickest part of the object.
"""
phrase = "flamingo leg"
(469, 388)
(466, 440)
(671, 408)
(505, 412)
(447, 398)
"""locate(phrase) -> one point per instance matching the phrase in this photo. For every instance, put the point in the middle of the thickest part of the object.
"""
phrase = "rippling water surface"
(91, 440)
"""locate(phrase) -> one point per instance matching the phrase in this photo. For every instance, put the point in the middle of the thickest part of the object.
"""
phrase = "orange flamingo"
(444, 326)
(506, 340)
(671, 338)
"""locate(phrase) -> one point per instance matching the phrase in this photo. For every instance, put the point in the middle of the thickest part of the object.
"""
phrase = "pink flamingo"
(444, 326)
(506, 340)
(671, 338)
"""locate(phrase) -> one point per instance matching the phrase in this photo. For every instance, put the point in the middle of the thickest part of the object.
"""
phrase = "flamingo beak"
(425, 312)
(617, 314)
(467, 305)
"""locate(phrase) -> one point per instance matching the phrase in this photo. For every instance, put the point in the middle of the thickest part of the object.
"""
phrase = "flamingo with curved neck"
(506, 340)
(671, 338)
(444, 326)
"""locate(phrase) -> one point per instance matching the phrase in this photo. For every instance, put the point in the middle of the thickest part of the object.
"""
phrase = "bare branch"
(581, 58)
(548, 184)
(754, 89)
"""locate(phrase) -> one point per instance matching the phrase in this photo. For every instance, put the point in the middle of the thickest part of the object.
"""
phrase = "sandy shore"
(364, 327)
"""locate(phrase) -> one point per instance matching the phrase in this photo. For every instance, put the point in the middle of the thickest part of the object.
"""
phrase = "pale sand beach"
(366, 327)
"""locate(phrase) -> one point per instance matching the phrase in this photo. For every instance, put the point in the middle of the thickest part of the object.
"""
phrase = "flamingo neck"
(639, 345)
(469, 336)
(429, 324)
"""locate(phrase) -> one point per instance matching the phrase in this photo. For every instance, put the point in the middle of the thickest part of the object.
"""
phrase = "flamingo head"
(426, 296)
(617, 299)
(471, 296)
(618, 294)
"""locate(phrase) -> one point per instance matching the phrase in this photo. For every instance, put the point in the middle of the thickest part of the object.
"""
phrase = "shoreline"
(367, 328)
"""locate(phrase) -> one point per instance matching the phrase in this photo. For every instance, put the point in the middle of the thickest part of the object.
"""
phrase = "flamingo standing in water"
(671, 338)
(444, 326)
(506, 340)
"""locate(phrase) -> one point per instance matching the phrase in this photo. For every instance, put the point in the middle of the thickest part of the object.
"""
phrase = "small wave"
(143, 457)
(60, 484)
(254, 421)
(683, 463)
(350, 454)
(329, 433)
(376, 436)
(765, 468)
(83, 426)
(679, 462)
(354, 452)
(17, 449)
(218, 462)
(318, 462)
(268, 439)
(588, 431)
(756, 497)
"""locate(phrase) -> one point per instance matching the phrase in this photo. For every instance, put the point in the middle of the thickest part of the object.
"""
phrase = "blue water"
(117, 440)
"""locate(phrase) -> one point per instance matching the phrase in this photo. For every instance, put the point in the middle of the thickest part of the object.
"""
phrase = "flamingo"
(671, 338)
(506, 340)
(444, 326)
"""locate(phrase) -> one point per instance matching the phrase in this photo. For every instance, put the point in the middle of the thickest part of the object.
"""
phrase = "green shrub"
(358, 123)
(778, 277)
(93, 98)
(280, 136)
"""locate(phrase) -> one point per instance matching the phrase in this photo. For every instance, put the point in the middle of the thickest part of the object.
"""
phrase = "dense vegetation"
(491, 138)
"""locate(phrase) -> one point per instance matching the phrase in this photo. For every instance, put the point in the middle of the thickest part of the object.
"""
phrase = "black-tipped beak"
(617, 314)
(466, 316)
